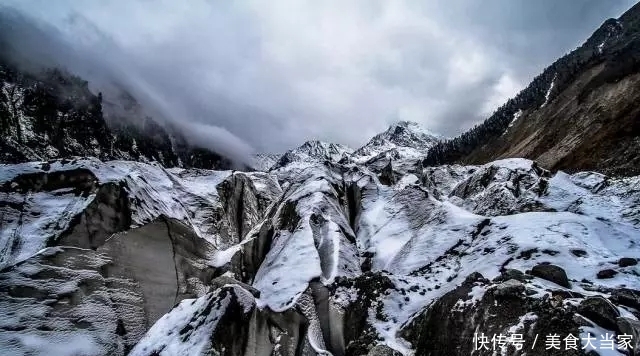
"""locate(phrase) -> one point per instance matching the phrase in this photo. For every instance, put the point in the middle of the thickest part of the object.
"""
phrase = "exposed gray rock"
(626, 297)
(551, 273)
(229, 316)
(447, 327)
(166, 259)
(496, 189)
(108, 213)
(600, 311)
(110, 296)
(512, 274)
(383, 350)
(387, 176)
(509, 289)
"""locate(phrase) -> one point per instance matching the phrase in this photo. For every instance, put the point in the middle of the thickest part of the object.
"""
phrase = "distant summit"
(407, 138)
(314, 151)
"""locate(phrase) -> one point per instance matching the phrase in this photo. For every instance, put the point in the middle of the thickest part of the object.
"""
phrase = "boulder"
(509, 289)
(474, 277)
(626, 297)
(601, 311)
(627, 261)
(606, 274)
(510, 273)
(551, 273)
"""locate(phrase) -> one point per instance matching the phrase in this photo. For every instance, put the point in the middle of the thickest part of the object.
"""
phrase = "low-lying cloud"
(268, 75)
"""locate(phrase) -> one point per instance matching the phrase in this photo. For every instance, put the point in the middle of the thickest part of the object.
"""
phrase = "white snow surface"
(166, 338)
(427, 232)
(188, 195)
(548, 94)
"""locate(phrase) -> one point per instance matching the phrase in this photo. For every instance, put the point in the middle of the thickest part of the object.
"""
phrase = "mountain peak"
(400, 127)
(314, 151)
(408, 138)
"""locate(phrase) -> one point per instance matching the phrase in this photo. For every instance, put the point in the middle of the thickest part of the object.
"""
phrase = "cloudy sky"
(271, 74)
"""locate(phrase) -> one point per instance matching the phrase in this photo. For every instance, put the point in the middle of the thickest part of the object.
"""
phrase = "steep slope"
(581, 113)
(332, 251)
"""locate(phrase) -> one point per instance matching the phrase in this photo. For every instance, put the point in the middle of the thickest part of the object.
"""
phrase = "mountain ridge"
(599, 66)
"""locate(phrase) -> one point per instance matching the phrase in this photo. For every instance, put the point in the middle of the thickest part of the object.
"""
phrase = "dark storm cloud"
(271, 74)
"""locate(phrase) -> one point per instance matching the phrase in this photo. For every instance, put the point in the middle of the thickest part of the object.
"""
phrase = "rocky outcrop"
(599, 310)
(503, 187)
(243, 204)
(167, 260)
(458, 322)
(324, 259)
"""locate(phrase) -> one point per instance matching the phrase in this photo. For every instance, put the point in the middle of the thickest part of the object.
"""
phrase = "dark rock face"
(167, 260)
(383, 350)
(240, 328)
(512, 274)
(108, 213)
(510, 289)
(387, 176)
(626, 297)
(359, 336)
(237, 326)
(630, 327)
(449, 326)
(551, 273)
(606, 274)
(600, 311)
(627, 262)
(81, 181)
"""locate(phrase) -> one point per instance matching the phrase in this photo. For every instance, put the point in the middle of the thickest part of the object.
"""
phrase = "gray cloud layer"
(276, 73)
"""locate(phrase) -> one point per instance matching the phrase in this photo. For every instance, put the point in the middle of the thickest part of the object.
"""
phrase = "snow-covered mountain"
(50, 113)
(324, 250)
(313, 152)
(326, 259)
(403, 139)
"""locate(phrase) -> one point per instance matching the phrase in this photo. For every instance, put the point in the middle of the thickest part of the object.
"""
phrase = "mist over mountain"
(277, 75)
(34, 47)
